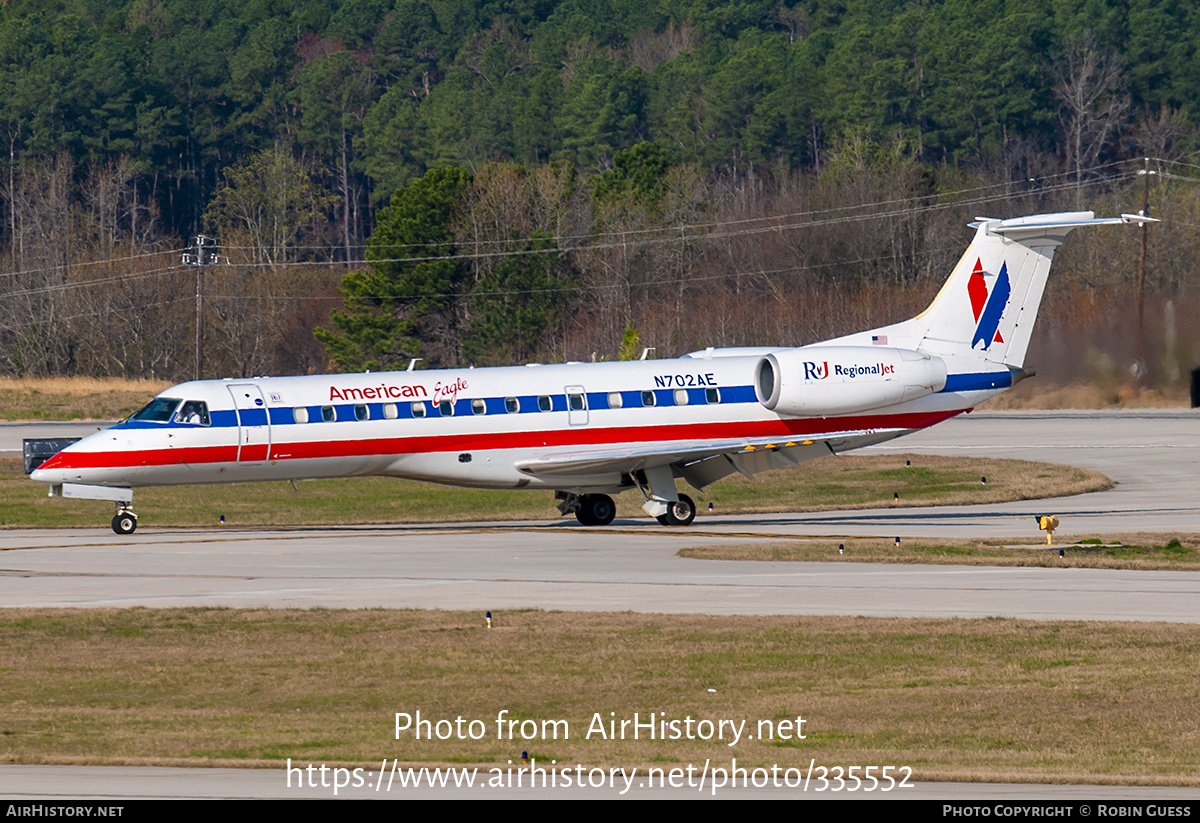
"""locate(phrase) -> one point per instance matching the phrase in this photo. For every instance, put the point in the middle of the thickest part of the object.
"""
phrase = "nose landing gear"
(125, 521)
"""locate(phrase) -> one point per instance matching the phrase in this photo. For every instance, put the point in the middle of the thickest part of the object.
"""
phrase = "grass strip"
(828, 483)
(1123, 551)
(993, 699)
(73, 398)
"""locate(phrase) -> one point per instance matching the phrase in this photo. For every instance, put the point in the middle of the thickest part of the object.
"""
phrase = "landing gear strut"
(681, 513)
(663, 502)
(125, 522)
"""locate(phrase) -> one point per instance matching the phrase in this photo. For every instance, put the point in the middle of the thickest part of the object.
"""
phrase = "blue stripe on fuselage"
(978, 381)
(527, 404)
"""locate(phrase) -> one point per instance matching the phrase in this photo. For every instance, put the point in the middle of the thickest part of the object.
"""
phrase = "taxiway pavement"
(631, 565)
(1154, 457)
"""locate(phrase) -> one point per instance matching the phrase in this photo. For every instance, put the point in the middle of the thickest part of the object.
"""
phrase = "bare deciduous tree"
(1094, 96)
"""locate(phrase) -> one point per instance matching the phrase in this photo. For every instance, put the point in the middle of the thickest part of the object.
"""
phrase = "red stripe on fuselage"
(481, 441)
(137, 459)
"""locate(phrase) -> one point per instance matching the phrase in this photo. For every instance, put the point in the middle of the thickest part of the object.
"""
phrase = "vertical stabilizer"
(988, 306)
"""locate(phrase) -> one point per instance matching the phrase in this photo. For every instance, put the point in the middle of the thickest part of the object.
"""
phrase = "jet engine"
(823, 381)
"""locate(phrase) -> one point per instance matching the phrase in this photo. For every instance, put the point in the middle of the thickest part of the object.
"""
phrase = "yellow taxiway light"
(1047, 523)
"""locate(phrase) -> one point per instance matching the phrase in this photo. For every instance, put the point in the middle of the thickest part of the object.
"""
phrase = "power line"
(671, 234)
(83, 263)
(1066, 181)
(662, 235)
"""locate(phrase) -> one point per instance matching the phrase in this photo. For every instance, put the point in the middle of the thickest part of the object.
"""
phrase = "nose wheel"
(125, 522)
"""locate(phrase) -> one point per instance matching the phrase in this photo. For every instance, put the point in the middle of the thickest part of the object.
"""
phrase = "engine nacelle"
(822, 381)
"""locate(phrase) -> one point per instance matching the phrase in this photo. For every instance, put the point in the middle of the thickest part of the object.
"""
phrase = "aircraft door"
(577, 410)
(254, 427)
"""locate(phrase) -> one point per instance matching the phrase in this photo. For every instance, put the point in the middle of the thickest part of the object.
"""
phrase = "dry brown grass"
(1119, 551)
(1031, 395)
(73, 398)
(992, 699)
(872, 481)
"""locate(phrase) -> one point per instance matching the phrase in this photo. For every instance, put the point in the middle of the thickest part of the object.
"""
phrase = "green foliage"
(639, 172)
(874, 97)
(631, 343)
(186, 89)
(411, 288)
(514, 304)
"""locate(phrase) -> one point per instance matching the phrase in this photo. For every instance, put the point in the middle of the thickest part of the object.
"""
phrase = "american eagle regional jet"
(590, 430)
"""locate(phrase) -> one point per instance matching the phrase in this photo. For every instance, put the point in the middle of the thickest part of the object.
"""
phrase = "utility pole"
(1145, 173)
(202, 254)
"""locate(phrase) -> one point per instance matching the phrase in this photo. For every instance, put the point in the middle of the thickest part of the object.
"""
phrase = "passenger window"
(418, 409)
(478, 407)
(712, 395)
(576, 402)
(194, 412)
(544, 403)
(446, 408)
(681, 397)
(614, 400)
(390, 412)
(512, 405)
(361, 412)
(648, 398)
(300, 414)
(328, 414)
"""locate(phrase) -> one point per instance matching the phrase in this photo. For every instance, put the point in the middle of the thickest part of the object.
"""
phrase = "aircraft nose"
(50, 475)
(53, 469)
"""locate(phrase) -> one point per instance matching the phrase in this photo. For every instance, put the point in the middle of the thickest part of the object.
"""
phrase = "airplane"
(587, 431)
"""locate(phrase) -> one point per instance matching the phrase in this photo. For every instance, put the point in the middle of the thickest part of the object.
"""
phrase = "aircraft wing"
(701, 462)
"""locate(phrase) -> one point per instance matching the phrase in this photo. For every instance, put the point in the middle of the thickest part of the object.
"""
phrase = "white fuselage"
(510, 427)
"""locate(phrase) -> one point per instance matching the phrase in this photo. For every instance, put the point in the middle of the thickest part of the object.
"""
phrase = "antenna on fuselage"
(646, 352)
(412, 364)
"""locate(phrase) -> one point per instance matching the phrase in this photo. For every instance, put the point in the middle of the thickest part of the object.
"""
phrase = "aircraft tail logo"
(988, 308)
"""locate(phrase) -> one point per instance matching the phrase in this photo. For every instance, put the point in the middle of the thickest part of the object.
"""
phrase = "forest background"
(487, 183)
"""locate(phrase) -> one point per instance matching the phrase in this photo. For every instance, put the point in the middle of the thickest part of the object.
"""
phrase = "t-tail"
(985, 311)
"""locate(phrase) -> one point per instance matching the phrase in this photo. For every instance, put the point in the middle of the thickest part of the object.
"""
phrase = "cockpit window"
(158, 410)
(194, 412)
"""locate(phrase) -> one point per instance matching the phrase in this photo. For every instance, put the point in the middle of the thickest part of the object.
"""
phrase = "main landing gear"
(126, 521)
(589, 509)
(679, 513)
(663, 503)
(596, 510)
